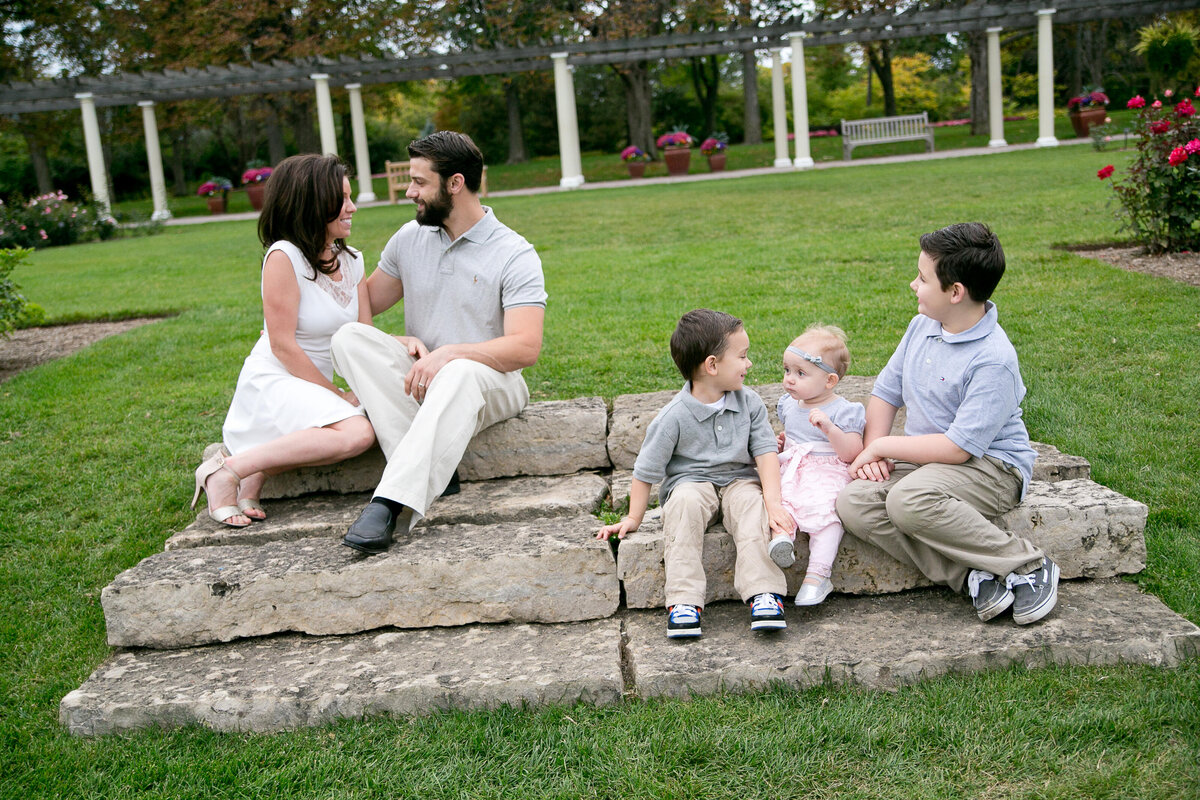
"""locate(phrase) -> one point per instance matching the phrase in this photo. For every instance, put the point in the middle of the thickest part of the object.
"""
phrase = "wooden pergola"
(149, 88)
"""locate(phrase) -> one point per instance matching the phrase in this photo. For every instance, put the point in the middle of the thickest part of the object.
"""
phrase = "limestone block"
(291, 681)
(1054, 465)
(557, 437)
(479, 502)
(887, 642)
(1090, 530)
(543, 570)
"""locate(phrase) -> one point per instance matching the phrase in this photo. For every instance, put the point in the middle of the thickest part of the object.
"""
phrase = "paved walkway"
(626, 183)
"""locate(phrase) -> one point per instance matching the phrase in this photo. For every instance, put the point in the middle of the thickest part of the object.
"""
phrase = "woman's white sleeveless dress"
(269, 401)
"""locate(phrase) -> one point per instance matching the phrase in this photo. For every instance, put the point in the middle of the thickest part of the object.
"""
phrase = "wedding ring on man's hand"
(420, 386)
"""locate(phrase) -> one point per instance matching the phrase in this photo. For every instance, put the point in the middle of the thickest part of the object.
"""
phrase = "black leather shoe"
(372, 532)
(452, 487)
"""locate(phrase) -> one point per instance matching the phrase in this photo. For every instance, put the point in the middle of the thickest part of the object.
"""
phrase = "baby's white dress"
(269, 401)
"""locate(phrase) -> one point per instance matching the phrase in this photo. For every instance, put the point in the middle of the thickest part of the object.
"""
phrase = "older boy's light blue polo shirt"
(965, 385)
(689, 441)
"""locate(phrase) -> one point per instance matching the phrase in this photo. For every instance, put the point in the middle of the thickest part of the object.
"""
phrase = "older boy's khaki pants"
(690, 509)
(934, 518)
(423, 442)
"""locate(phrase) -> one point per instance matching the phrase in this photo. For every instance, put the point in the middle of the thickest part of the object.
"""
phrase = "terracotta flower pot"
(1086, 118)
(716, 162)
(216, 204)
(255, 192)
(678, 160)
(637, 169)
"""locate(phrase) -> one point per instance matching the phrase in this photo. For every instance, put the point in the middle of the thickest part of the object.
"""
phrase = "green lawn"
(96, 452)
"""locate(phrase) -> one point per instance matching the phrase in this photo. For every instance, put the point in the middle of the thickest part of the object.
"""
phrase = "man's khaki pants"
(689, 511)
(423, 442)
(935, 518)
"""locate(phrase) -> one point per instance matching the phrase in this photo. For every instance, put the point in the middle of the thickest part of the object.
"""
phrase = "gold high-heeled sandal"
(203, 473)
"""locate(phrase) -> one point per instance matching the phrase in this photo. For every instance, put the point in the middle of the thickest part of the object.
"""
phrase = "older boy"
(713, 451)
(925, 497)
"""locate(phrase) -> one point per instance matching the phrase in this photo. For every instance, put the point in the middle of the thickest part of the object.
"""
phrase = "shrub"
(1160, 193)
(50, 220)
(13, 305)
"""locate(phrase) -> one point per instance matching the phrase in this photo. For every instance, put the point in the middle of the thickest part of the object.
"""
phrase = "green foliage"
(15, 310)
(1167, 46)
(1160, 192)
(49, 220)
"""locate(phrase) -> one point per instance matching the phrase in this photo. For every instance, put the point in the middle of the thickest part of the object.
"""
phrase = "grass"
(96, 452)
(599, 166)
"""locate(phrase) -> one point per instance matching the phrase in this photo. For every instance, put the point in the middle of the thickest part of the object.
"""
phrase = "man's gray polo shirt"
(689, 441)
(965, 385)
(457, 292)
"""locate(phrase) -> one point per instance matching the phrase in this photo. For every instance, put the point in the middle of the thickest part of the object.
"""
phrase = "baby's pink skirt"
(810, 483)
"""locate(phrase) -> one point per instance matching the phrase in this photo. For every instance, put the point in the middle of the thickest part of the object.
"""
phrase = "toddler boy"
(713, 451)
(925, 497)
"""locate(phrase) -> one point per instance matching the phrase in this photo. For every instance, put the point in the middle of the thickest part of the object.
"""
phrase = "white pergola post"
(325, 114)
(1045, 80)
(362, 158)
(995, 93)
(95, 151)
(800, 103)
(779, 108)
(158, 184)
(568, 124)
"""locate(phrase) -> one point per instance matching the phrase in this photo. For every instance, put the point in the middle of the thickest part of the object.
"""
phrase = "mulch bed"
(32, 346)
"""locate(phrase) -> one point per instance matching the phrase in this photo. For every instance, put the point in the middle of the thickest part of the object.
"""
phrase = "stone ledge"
(558, 437)
(295, 681)
(538, 571)
(888, 642)
(1090, 530)
(479, 503)
(878, 642)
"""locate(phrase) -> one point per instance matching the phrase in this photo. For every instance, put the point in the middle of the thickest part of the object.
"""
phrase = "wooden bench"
(882, 130)
(398, 179)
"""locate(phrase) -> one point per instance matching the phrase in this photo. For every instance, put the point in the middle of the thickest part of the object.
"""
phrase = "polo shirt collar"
(977, 331)
(700, 411)
(478, 233)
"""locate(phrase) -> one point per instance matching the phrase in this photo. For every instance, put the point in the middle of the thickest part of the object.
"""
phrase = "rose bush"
(1159, 194)
(50, 220)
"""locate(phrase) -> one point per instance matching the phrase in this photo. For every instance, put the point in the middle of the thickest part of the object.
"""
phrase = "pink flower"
(1184, 108)
(1156, 104)
(43, 234)
(1105, 172)
(1177, 157)
(1168, 93)
(22, 227)
(1198, 91)
(1161, 126)
(1137, 101)
(1193, 146)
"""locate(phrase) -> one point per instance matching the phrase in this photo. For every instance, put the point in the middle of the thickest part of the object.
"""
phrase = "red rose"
(1105, 172)
(1137, 101)
(1184, 108)
(1162, 126)
(1177, 157)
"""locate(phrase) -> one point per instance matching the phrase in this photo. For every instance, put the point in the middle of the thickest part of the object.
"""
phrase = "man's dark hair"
(700, 334)
(451, 153)
(967, 253)
(303, 196)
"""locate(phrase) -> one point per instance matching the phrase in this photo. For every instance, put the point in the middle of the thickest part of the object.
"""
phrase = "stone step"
(1090, 530)
(556, 437)
(542, 570)
(479, 502)
(291, 681)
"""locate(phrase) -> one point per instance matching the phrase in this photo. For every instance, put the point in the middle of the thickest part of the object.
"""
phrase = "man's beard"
(436, 210)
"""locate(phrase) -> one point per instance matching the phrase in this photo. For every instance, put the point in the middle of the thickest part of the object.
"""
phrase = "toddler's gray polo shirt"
(689, 441)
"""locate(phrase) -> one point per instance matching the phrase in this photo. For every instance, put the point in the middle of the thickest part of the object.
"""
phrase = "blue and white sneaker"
(683, 621)
(766, 613)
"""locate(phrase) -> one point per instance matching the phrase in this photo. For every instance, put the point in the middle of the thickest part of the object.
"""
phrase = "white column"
(800, 103)
(1045, 80)
(158, 185)
(568, 124)
(779, 108)
(325, 114)
(362, 159)
(995, 94)
(95, 151)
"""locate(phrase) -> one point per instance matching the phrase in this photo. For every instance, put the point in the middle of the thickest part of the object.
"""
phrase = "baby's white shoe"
(812, 594)
(781, 550)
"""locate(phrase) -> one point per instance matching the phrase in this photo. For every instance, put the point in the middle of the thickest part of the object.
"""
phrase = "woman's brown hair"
(303, 195)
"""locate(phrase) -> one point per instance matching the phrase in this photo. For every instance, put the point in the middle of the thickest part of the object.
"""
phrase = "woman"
(286, 412)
